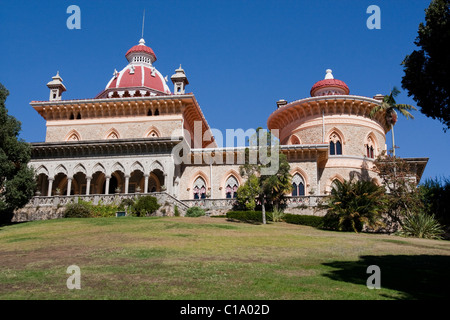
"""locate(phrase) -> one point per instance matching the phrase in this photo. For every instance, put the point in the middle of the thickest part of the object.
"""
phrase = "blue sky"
(240, 56)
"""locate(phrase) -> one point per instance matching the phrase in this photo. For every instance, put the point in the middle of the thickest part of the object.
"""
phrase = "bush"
(248, 216)
(306, 220)
(77, 210)
(330, 221)
(277, 215)
(353, 204)
(144, 206)
(176, 211)
(422, 225)
(194, 212)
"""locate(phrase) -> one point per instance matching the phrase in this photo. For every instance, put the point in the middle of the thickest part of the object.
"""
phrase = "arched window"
(231, 187)
(295, 140)
(156, 112)
(298, 185)
(149, 113)
(199, 188)
(335, 144)
(370, 147)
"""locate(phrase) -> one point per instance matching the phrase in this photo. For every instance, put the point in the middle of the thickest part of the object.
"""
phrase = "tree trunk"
(263, 207)
(393, 142)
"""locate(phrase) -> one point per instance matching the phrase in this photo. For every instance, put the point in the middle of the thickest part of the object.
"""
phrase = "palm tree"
(391, 107)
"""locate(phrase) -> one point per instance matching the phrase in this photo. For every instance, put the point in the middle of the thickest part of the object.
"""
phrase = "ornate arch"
(371, 145)
(137, 166)
(79, 168)
(60, 169)
(294, 139)
(330, 181)
(98, 167)
(194, 179)
(112, 134)
(300, 182)
(302, 173)
(336, 140)
(118, 167)
(42, 170)
(229, 184)
(152, 132)
(156, 165)
(73, 135)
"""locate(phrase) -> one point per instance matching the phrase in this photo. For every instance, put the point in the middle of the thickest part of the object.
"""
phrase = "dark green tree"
(17, 180)
(353, 204)
(427, 70)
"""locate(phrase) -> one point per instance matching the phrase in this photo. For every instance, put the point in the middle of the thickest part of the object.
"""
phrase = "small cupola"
(179, 80)
(56, 87)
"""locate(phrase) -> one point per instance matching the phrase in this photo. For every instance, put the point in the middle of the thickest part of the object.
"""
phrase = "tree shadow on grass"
(416, 276)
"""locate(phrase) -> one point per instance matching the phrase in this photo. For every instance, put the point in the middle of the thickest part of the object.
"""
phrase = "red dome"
(143, 76)
(140, 48)
(329, 83)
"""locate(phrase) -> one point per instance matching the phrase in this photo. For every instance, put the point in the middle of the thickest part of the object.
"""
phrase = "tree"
(353, 204)
(17, 180)
(391, 108)
(427, 69)
(403, 197)
(264, 188)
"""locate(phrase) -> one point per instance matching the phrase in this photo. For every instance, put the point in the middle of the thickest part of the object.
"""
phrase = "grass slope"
(204, 258)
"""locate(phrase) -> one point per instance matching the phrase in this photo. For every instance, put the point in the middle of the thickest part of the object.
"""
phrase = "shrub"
(355, 203)
(422, 225)
(248, 216)
(144, 206)
(277, 215)
(194, 212)
(306, 220)
(77, 210)
(176, 211)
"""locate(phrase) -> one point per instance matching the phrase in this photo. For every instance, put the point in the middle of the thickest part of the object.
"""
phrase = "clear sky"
(240, 56)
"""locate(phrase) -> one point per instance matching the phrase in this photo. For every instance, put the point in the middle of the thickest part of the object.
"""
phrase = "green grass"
(204, 258)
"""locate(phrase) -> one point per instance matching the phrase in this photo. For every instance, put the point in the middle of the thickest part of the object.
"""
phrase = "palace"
(121, 142)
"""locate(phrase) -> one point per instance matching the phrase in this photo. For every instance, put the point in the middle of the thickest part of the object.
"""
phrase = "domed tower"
(337, 121)
(138, 78)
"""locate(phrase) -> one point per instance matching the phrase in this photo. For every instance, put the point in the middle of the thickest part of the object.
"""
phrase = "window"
(156, 112)
(370, 147)
(199, 188)
(231, 187)
(298, 185)
(335, 144)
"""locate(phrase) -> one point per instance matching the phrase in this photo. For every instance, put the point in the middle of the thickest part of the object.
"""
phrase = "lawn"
(209, 258)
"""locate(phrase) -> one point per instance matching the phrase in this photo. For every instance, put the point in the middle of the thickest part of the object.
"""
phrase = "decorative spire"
(329, 74)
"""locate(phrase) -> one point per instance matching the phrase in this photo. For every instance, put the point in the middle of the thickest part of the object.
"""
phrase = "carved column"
(88, 185)
(107, 184)
(69, 185)
(50, 186)
(146, 176)
(127, 180)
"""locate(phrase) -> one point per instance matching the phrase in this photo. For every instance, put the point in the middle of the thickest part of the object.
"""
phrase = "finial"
(329, 74)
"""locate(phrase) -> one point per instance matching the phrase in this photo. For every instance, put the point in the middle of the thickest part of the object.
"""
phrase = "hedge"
(248, 216)
(306, 220)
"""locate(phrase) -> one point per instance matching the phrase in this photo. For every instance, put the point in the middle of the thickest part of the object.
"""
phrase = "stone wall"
(126, 127)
